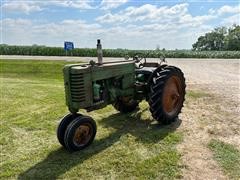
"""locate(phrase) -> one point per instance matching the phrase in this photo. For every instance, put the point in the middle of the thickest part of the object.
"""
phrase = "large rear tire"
(167, 92)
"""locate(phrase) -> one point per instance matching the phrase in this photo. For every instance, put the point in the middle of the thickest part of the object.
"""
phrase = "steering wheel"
(140, 60)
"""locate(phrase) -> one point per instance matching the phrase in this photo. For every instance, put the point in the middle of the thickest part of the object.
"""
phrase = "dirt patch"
(211, 111)
(206, 116)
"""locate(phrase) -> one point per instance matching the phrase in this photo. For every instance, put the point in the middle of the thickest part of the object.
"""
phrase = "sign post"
(68, 46)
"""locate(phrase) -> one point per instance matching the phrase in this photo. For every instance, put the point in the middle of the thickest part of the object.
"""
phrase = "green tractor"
(123, 84)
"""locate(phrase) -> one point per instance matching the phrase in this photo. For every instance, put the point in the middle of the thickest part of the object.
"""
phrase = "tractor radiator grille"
(77, 87)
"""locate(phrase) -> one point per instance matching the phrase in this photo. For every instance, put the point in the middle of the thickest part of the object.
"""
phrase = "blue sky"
(132, 24)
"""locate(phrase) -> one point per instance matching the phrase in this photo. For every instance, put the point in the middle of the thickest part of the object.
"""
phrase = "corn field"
(91, 52)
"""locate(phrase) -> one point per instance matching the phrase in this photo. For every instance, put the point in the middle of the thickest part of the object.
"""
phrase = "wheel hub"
(82, 134)
(172, 95)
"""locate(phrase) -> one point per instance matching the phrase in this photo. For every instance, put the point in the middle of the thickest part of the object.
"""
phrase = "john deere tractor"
(123, 84)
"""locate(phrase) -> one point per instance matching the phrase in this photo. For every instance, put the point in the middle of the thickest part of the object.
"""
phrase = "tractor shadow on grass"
(60, 161)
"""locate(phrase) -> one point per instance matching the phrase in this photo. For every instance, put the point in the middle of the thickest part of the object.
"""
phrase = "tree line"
(220, 39)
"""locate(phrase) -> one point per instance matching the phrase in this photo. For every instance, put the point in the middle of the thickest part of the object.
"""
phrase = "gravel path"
(221, 77)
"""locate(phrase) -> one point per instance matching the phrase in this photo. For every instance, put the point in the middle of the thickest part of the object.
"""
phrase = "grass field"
(227, 156)
(127, 146)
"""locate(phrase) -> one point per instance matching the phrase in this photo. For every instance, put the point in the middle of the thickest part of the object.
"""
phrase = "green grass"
(35, 69)
(126, 145)
(228, 157)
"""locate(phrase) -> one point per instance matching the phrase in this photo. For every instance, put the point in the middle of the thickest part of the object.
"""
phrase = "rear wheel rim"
(172, 96)
(83, 134)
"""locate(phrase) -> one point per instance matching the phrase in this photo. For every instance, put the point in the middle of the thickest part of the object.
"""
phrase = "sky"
(131, 24)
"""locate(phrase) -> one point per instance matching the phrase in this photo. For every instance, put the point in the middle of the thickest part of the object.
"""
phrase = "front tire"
(167, 93)
(62, 126)
(80, 133)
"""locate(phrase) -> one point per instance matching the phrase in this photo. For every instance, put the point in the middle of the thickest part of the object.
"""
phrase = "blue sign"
(68, 46)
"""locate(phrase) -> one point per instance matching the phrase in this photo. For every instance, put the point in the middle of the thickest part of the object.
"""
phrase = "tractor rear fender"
(149, 81)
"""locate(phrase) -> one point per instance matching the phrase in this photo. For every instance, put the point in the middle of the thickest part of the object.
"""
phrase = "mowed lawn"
(126, 145)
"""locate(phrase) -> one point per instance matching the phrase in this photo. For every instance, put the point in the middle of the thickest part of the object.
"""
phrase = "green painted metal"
(96, 91)
(140, 77)
(83, 84)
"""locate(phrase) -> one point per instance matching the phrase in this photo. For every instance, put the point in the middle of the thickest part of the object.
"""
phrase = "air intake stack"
(99, 51)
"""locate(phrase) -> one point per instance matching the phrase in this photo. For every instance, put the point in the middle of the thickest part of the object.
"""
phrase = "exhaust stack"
(99, 52)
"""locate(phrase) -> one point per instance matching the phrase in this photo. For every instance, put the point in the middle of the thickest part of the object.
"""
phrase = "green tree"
(220, 39)
(232, 40)
(211, 41)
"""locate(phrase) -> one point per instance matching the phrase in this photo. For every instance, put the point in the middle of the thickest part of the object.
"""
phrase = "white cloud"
(16, 22)
(27, 32)
(21, 6)
(229, 21)
(130, 14)
(111, 4)
(28, 7)
(228, 10)
(196, 21)
(83, 34)
(71, 4)
(110, 18)
(147, 12)
(211, 11)
(177, 14)
(15, 30)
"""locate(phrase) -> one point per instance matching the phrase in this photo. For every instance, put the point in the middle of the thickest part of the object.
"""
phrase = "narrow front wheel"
(62, 126)
(80, 133)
